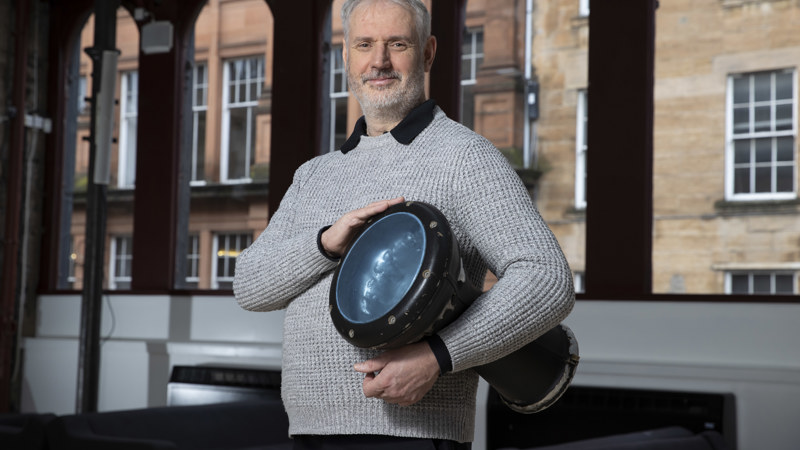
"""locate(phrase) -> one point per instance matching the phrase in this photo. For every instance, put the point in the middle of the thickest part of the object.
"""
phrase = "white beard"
(393, 102)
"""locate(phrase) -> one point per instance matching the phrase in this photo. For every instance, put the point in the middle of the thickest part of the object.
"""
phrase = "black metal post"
(105, 28)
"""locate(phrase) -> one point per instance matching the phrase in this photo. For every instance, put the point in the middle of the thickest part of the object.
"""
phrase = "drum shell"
(534, 377)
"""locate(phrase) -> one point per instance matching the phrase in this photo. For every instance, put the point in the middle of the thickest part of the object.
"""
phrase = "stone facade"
(699, 234)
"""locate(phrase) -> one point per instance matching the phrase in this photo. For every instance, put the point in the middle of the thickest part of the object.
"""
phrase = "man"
(403, 148)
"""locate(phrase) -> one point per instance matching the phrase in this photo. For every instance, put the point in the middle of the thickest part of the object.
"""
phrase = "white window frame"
(473, 56)
(72, 263)
(750, 274)
(731, 138)
(121, 257)
(229, 253)
(199, 106)
(579, 282)
(193, 259)
(581, 147)
(338, 92)
(583, 8)
(250, 103)
(83, 92)
(128, 111)
(474, 60)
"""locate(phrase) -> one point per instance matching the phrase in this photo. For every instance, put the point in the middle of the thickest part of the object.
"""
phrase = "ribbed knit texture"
(497, 227)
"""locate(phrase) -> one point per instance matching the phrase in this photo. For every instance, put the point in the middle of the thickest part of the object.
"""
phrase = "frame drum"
(401, 279)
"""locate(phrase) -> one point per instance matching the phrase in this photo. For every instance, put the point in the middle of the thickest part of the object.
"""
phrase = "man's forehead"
(395, 19)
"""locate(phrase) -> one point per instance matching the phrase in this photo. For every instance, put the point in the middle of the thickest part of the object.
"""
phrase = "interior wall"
(747, 349)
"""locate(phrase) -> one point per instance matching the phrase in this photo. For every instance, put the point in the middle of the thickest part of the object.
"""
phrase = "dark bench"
(669, 438)
(23, 431)
(239, 425)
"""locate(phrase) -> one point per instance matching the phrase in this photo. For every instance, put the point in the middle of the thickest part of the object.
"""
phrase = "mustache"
(381, 74)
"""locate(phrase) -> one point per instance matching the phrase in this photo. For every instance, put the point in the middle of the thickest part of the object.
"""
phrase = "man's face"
(385, 63)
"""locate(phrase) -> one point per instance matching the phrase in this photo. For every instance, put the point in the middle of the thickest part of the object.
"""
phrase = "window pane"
(725, 155)
(741, 90)
(741, 120)
(762, 284)
(555, 141)
(740, 284)
(741, 152)
(763, 150)
(199, 149)
(762, 118)
(228, 248)
(231, 118)
(471, 59)
(237, 143)
(784, 284)
(785, 149)
(340, 114)
(763, 179)
(71, 229)
(784, 86)
(741, 181)
(783, 117)
(762, 87)
(784, 179)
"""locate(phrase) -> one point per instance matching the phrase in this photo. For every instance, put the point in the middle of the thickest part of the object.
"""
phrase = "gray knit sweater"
(497, 227)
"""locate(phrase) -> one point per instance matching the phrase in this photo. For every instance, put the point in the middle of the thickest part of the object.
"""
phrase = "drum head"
(380, 268)
(398, 280)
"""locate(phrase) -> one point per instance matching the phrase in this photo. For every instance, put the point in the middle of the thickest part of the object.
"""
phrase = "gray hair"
(422, 17)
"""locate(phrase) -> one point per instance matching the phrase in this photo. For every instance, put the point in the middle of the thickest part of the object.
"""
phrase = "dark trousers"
(372, 442)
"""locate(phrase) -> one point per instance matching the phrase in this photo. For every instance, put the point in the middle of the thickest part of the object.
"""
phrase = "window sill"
(757, 207)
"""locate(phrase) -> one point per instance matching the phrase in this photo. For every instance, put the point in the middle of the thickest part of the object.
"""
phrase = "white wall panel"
(747, 349)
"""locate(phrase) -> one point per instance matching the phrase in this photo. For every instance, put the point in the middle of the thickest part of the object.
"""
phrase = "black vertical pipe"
(11, 247)
(105, 29)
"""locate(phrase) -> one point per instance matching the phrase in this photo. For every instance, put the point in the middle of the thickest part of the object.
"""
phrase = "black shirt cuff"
(321, 248)
(441, 353)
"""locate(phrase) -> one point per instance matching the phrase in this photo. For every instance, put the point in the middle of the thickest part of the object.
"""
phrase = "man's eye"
(398, 45)
(363, 45)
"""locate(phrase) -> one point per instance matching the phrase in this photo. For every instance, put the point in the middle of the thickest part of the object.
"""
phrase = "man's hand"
(405, 375)
(336, 238)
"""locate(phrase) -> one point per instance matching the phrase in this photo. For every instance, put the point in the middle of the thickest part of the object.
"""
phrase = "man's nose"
(380, 56)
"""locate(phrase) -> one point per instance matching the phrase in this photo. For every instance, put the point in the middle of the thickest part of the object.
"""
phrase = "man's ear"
(430, 52)
(344, 52)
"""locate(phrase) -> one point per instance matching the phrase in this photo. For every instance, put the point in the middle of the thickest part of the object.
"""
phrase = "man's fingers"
(371, 388)
(336, 238)
(377, 207)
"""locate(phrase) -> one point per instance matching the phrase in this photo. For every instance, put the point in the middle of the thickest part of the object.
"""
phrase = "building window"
(193, 262)
(126, 169)
(83, 92)
(580, 150)
(226, 248)
(72, 264)
(339, 99)
(199, 109)
(583, 8)
(121, 257)
(761, 136)
(471, 60)
(578, 279)
(767, 283)
(243, 80)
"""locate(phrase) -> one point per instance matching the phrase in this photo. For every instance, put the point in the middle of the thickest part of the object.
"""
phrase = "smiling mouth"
(380, 79)
(380, 82)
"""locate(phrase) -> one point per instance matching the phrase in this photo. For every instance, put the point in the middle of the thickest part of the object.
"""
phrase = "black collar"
(405, 132)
